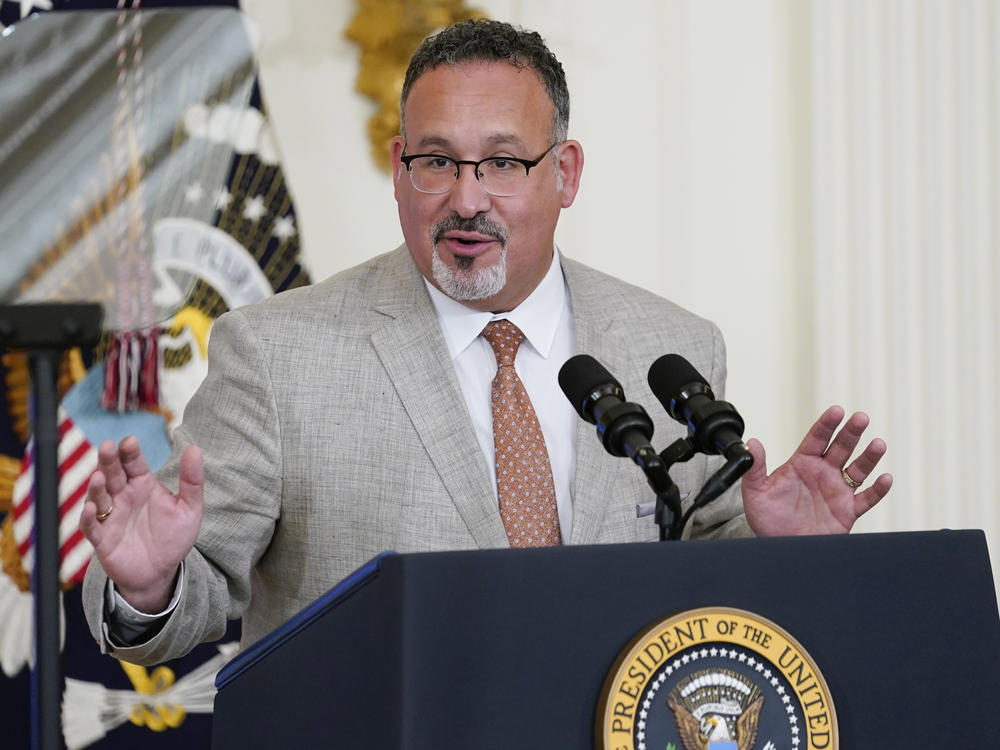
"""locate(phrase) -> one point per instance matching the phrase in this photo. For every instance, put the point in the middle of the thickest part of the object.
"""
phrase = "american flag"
(83, 425)
(77, 461)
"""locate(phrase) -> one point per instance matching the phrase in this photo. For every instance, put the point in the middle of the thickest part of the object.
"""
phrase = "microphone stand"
(738, 462)
(45, 330)
(667, 511)
(668, 505)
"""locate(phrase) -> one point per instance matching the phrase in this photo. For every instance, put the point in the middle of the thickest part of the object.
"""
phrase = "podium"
(510, 648)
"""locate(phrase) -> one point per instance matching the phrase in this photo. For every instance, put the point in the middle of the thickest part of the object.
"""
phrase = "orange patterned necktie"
(524, 477)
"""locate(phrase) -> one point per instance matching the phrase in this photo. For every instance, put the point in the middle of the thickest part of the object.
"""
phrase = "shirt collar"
(537, 317)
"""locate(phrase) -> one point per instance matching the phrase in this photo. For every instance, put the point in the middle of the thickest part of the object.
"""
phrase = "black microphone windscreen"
(669, 374)
(579, 376)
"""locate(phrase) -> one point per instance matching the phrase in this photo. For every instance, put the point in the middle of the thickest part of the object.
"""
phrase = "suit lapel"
(415, 356)
(594, 485)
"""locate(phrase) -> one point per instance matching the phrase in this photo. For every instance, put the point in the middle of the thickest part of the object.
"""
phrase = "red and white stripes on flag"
(77, 461)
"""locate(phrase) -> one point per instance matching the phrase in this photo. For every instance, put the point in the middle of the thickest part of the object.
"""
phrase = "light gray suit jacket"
(333, 428)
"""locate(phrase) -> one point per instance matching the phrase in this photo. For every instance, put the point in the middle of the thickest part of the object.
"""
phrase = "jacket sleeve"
(233, 418)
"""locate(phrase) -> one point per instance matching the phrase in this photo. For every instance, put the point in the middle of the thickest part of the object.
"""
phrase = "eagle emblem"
(716, 710)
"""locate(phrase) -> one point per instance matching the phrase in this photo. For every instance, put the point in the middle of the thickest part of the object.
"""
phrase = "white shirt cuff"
(125, 625)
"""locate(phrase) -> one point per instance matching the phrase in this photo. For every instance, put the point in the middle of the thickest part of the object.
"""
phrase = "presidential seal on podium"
(715, 678)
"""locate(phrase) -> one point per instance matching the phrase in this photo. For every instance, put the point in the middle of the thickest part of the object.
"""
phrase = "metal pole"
(47, 677)
(45, 330)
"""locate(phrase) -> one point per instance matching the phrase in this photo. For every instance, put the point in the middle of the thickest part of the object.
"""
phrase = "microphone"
(715, 426)
(624, 428)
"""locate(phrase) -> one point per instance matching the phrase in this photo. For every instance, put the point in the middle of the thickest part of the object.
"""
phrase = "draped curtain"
(905, 161)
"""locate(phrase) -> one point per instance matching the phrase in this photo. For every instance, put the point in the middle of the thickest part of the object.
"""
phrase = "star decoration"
(254, 208)
(194, 193)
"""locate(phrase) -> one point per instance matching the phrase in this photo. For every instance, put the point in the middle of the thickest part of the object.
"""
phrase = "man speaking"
(412, 403)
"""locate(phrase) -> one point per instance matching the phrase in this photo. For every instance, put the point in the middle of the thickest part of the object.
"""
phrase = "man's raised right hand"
(141, 530)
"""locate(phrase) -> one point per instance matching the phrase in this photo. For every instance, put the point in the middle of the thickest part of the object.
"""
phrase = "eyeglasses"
(500, 176)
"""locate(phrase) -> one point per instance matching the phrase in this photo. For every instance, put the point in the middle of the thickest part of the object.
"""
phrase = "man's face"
(485, 251)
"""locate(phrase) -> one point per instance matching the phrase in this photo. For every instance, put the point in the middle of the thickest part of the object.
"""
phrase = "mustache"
(479, 223)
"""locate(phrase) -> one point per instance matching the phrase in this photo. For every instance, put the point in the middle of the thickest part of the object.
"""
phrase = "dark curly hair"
(484, 40)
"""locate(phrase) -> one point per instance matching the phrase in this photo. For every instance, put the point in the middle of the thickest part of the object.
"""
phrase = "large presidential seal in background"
(715, 679)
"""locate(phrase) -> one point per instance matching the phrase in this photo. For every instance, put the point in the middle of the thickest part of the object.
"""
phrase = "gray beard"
(465, 282)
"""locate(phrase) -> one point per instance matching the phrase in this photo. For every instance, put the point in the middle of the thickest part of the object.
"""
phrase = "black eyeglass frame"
(526, 163)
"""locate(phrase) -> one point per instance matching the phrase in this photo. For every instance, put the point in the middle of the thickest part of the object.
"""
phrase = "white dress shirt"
(547, 323)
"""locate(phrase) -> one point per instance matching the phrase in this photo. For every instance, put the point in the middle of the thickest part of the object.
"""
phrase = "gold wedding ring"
(103, 516)
(847, 478)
